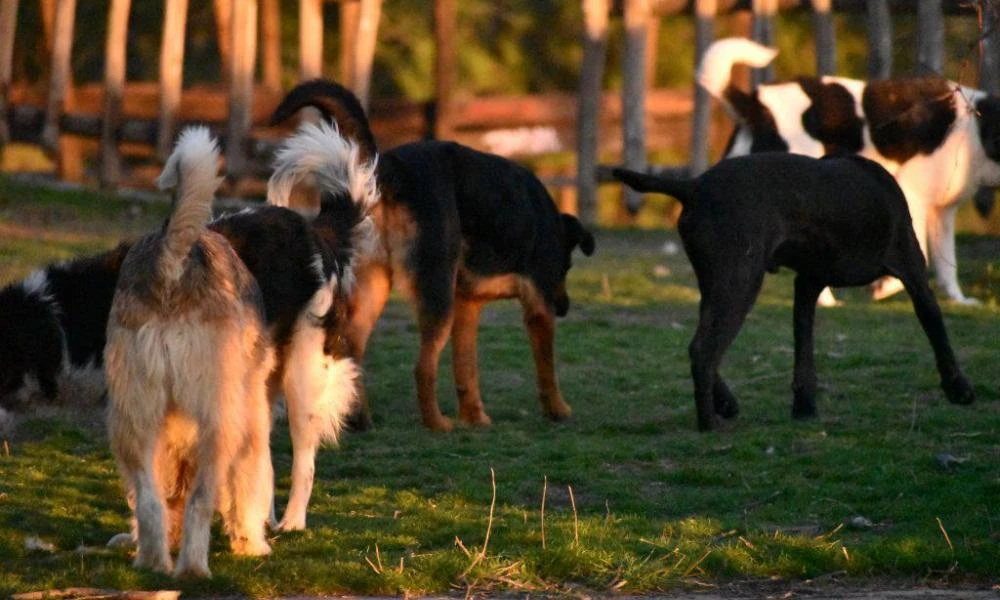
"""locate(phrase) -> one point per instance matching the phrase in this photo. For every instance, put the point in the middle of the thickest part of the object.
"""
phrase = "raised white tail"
(193, 169)
(716, 67)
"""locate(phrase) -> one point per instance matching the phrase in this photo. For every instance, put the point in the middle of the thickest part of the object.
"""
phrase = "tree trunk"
(637, 13)
(879, 39)
(595, 41)
(171, 73)
(244, 53)
(114, 90)
(700, 121)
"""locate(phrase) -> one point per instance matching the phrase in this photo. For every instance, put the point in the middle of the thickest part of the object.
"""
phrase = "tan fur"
(187, 360)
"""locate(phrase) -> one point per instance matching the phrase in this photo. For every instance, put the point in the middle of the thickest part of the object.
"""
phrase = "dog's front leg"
(804, 380)
(464, 356)
(541, 323)
(941, 231)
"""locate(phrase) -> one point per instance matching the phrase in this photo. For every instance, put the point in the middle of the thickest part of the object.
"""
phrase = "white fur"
(320, 392)
(935, 185)
(717, 63)
(319, 149)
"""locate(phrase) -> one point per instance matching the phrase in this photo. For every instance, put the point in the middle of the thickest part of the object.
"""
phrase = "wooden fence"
(139, 120)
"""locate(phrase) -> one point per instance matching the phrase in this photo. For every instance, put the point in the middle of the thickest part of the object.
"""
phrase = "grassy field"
(635, 500)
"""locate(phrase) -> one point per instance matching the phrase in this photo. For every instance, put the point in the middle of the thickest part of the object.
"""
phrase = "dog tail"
(193, 170)
(347, 184)
(716, 67)
(682, 189)
(337, 104)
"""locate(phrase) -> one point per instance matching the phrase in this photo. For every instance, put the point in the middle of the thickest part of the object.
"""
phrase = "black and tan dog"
(836, 221)
(457, 228)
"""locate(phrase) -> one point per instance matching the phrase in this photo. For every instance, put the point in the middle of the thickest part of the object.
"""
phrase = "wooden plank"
(444, 66)
(114, 88)
(595, 42)
(930, 37)
(637, 15)
(171, 73)
(270, 25)
(47, 11)
(364, 55)
(8, 27)
(879, 39)
(59, 72)
(244, 54)
(310, 39)
(826, 40)
(350, 15)
(700, 120)
(764, 12)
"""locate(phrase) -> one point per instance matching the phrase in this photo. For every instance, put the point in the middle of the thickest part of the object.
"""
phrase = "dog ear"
(577, 235)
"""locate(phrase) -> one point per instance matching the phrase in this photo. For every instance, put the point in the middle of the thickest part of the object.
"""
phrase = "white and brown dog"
(188, 356)
(940, 140)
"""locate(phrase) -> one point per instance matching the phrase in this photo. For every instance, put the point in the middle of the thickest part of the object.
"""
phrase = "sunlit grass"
(858, 491)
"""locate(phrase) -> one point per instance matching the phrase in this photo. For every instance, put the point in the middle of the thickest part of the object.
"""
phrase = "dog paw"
(958, 390)
(159, 563)
(291, 524)
(247, 547)
(557, 410)
(966, 301)
(710, 423)
(122, 540)
(191, 571)
(439, 423)
(475, 418)
(886, 287)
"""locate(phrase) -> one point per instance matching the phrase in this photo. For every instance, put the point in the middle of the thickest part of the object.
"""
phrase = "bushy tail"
(338, 106)
(347, 184)
(682, 189)
(716, 67)
(193, 170)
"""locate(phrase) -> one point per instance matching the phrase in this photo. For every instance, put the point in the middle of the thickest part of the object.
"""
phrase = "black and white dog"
(55, 320)
(940, 140)
(838, 221)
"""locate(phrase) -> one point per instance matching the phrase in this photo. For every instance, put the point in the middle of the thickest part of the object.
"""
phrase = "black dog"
(836, 221)
(457, 228)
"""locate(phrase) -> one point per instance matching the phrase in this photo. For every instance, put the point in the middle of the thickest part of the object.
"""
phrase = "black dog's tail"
(682, 189)
(337, 104)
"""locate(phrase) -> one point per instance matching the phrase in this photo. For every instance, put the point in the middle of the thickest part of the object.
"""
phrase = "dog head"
(574, 235)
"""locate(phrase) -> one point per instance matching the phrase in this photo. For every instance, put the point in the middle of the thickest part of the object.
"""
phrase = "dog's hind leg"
(213, 458)
(434, 332)
(464, 356)
(153, 551)
(367, 301)
(804, 315)
(725, 304)
(540, 321)
(250, 480)
(910, 269)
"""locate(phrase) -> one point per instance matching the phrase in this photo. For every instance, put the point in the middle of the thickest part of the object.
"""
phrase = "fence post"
(68, 152)
(364, 54)
(171, 73)
(930, 37)
(634, 94)
(595, 42)
(704, 32)
(270, 31)
(8, 27)
(763, 32)
(223, 11)
(114, 90)
(444, 66)
(826, 41)
(350, 17)
(244, 54)
(310, 39)
(879, 39)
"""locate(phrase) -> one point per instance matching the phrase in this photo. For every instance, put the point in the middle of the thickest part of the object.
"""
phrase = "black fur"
(276, 244)
(907, 117)
(337, 103)
(831, 117)
(837, 221)
(988, 120)
(758, 119)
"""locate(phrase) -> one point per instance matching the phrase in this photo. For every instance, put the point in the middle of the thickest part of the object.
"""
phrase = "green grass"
(657, 505)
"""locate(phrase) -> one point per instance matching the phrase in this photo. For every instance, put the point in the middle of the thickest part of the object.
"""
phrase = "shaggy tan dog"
(187, 360)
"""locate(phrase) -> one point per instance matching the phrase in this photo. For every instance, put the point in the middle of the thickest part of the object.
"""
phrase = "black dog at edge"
(834, 221)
